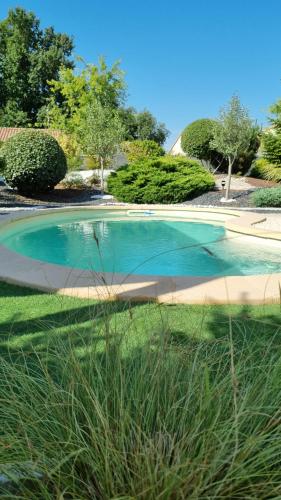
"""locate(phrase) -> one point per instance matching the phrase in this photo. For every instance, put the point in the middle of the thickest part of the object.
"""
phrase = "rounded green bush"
(196, 138)
(34, 162)
(163, 180)
(139, 150)
(268, 197)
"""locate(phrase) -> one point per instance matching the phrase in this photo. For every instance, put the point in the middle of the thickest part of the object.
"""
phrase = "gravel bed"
(61, 198)
(213, 198)
(57, 198)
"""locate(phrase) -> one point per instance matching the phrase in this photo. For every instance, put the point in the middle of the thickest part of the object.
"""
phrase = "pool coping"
(252, 289)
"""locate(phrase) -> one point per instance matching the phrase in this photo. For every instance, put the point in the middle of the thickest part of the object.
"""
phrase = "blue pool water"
(153, 247)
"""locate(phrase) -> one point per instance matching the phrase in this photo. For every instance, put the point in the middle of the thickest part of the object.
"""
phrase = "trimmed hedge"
(140, 150)
(34, 162)
(196, 139)
(269, 197)
(163, 180)
(262, 169)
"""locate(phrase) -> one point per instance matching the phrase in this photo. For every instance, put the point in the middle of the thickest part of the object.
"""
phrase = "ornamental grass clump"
(171, 416)
(262, 169)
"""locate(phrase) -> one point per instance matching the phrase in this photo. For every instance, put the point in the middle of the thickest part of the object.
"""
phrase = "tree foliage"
(142, 126)
(232, 134)
(73, 92)
(139, 150)
(233, 131)
(29, 58)
(271, 146)
(71, 148)
(101, 133)
(271, 138)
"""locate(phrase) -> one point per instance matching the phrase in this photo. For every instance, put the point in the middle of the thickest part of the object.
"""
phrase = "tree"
(142, 126)
(29, 58)
(72, 93)
(100, 133)
(271, 138)
(271, 146)
(196, 142)
(149, 128)
(233, 133)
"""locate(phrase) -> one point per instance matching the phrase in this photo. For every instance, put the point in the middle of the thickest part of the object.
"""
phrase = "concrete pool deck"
(253, 289)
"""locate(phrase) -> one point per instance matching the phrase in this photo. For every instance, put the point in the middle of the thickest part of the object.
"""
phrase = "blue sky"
(183, 59)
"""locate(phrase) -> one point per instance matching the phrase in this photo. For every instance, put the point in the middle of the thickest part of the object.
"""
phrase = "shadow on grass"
(36, 321)
(32, 323)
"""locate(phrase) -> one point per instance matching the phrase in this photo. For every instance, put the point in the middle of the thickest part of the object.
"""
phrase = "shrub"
(271, 147)
(72, 151)
(196, 138)
(74, 181)
(90, 163)
(163, 180)
(269, 197)
(34, 162)
(262, 169)
(139, 150)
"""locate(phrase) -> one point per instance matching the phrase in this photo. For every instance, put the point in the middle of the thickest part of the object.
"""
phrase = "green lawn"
(138, 401)
(32, 318)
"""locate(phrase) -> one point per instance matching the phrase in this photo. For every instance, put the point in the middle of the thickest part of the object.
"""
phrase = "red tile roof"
(7, 132)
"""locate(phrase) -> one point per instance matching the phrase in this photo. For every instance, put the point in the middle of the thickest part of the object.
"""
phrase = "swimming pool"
(115, 243)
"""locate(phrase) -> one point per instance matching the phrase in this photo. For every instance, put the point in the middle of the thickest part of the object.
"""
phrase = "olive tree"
(232, 134)
(101, 133)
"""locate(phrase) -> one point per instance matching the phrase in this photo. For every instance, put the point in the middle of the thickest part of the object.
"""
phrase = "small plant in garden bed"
(163, 180)
(268, 197)
(74, 181)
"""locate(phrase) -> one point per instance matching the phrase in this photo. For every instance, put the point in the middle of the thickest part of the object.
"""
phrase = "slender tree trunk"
(230, 163)
(101, 176)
